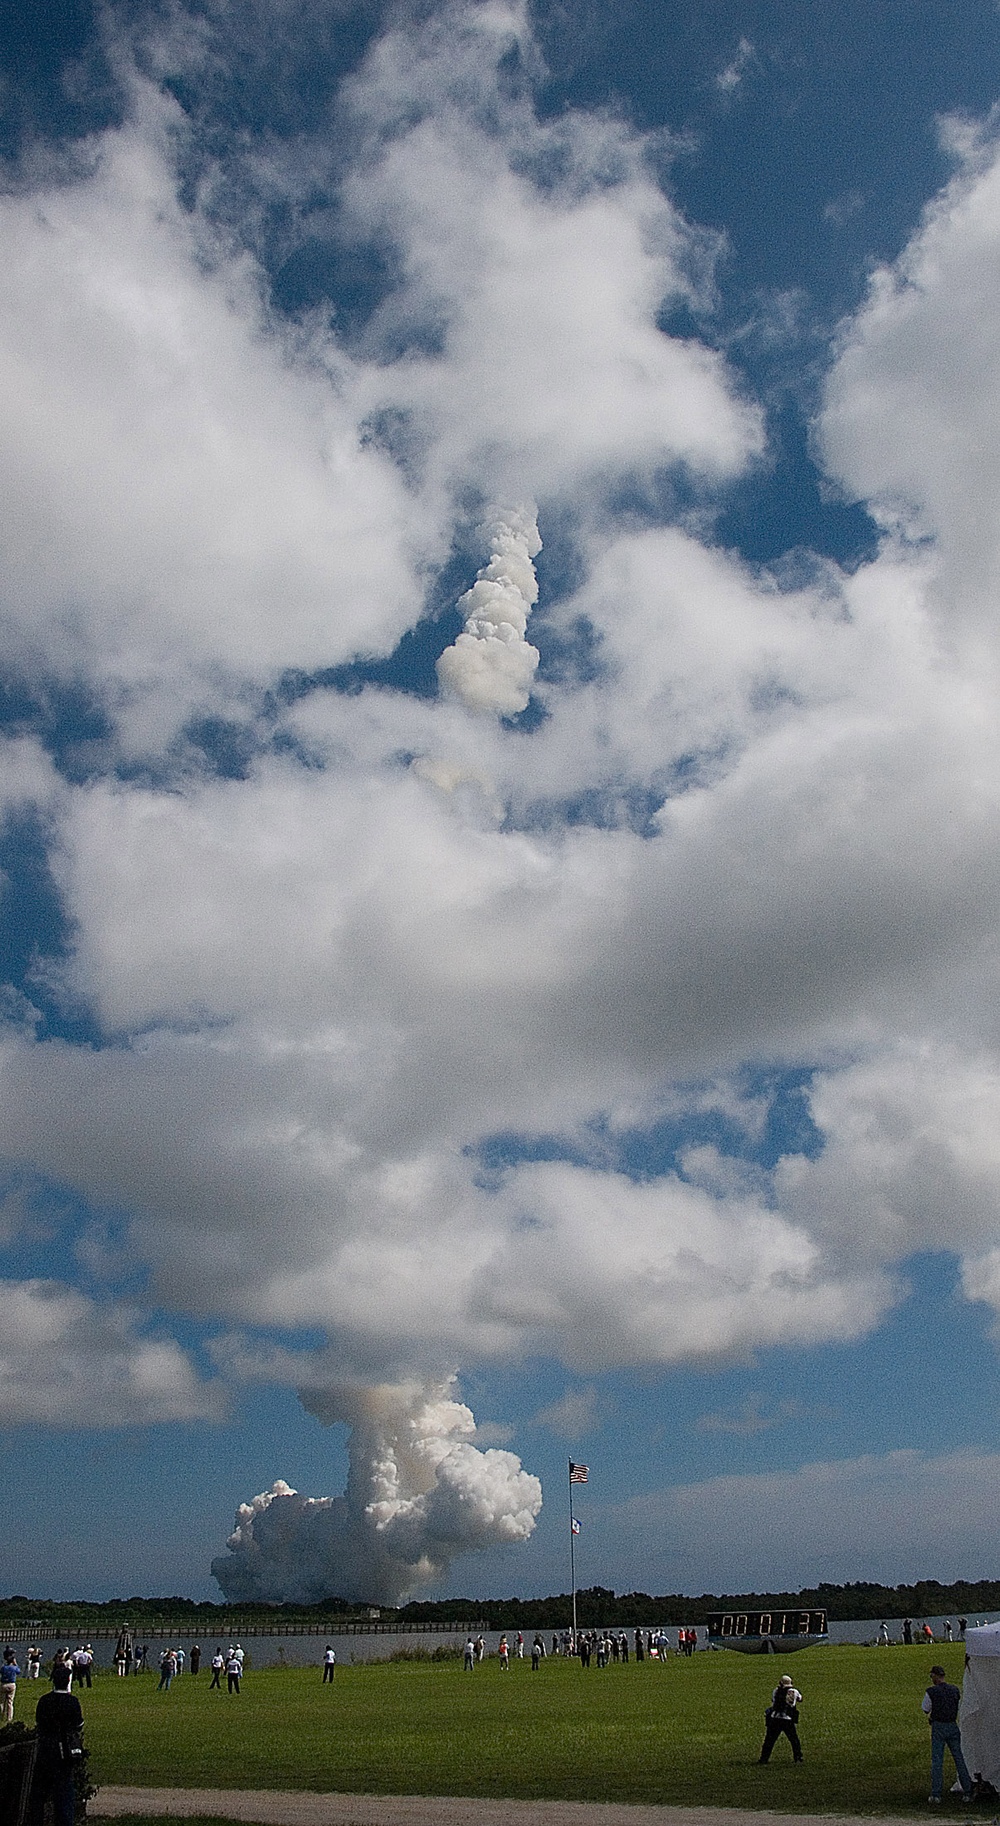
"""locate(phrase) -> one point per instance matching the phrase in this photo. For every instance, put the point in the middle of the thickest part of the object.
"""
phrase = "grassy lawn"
(685, 1732)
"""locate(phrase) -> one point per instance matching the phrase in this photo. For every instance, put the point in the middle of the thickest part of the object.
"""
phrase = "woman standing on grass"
(8, 1684)
(782, 1716)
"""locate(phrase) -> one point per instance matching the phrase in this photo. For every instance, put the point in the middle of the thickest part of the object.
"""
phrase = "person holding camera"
(782, 1716)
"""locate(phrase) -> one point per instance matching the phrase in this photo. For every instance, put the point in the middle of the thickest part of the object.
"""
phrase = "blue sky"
(499, 794)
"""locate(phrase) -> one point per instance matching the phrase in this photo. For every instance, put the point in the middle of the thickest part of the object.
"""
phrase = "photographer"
(782, 1716)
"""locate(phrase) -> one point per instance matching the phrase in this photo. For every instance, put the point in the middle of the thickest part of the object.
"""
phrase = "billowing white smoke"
(418, 1495)
(491, 665)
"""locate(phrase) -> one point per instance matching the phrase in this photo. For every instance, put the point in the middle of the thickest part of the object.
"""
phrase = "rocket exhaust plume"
(491, 665)
(418, 1495)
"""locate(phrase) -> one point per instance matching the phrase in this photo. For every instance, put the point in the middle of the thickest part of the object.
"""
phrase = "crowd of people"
(75, 1667)
(910, 1632)
(600, 1646)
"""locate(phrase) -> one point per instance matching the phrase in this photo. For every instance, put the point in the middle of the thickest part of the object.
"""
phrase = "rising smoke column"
(491, 665)
(418, 1495)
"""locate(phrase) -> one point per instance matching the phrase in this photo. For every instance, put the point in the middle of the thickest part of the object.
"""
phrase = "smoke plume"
(491, 665)
(418, 1495)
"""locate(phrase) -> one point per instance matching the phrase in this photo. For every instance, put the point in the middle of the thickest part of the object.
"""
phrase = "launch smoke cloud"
(419, 1493)
(491, 665)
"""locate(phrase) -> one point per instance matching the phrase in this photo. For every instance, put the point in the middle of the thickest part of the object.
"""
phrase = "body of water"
(306, 1650)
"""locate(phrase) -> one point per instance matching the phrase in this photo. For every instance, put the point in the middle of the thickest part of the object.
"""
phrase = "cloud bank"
(888, 1516)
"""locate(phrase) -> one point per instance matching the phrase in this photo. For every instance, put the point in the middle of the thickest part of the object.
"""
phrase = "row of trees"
(596, 1604)
(842, 1603)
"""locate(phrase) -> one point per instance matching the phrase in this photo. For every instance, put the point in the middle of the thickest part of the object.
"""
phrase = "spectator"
(9, 1672)
(940, 1703)
(782, 1716)
(59, 1722)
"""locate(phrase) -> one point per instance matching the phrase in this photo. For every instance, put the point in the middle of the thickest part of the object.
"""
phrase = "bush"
(16, 1744)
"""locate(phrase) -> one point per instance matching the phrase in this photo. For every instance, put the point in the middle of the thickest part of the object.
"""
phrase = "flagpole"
(572, 1553)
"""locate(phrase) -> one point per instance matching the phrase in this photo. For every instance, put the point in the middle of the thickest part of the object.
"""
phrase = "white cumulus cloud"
(65, 1361)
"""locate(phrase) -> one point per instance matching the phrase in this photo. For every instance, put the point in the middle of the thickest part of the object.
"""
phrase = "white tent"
(979, 1714)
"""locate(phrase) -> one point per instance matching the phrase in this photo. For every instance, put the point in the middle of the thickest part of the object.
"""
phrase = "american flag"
(576, 1526)
(577, 1473)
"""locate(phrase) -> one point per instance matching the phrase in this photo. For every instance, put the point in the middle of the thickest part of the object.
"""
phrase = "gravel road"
(300, 1809)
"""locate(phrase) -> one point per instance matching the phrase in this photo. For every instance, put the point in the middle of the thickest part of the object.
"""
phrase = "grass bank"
(681, 1733)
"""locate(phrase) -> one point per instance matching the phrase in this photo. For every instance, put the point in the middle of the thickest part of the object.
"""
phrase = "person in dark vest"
(58, 1723)
(195, 1657)
(782, 1716)
(940, 1703)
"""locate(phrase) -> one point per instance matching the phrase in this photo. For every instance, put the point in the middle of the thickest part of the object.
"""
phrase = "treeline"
(595, 1604)
(842, 1603)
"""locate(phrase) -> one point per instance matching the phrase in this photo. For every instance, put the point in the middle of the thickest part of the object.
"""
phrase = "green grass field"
(684, 1732)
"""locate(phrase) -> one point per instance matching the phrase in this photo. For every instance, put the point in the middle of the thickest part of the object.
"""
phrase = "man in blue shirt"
(940, 1703)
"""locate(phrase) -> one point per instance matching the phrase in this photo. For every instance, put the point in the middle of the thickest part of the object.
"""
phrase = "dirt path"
(300, 1809)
